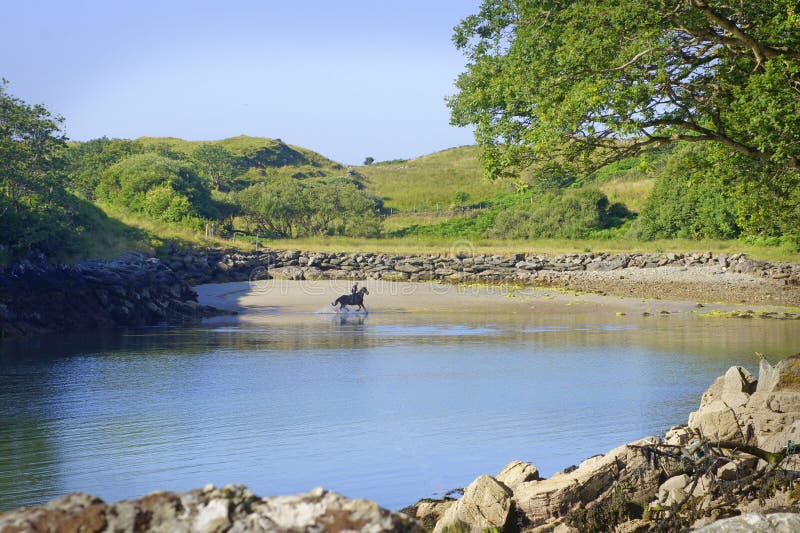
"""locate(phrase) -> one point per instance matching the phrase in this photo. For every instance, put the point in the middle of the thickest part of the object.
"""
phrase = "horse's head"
(364, 290)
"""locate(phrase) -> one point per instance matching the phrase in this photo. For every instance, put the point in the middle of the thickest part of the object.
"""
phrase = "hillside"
(259, 157)
(430, 183)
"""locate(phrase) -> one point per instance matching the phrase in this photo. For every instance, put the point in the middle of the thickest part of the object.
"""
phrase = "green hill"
(259, 158)
(430, 183)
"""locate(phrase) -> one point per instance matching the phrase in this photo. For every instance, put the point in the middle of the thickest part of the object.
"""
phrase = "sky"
(348, 79)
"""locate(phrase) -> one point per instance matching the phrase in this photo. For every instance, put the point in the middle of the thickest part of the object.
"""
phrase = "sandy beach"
(285, 296)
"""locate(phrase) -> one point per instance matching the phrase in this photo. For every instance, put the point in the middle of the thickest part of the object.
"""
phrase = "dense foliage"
(577, 84)
(290, 208)
(166, 189)
(578, 213)
(571, 214)
(690, 200)
(36, 214)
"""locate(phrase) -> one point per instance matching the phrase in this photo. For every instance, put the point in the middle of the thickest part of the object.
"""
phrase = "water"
(394, 406)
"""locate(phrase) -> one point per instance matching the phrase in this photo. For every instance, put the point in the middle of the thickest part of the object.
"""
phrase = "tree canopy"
(580, 83)
(33, 210)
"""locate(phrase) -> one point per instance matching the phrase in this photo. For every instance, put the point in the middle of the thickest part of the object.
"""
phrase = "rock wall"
(131, 291)
(232, 265)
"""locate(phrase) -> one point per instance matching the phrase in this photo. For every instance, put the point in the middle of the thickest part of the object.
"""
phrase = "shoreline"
(700, 278)
(250, 299)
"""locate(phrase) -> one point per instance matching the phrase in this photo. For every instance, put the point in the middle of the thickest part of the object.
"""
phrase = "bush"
(286, 207)
(571, 214)
(164, 188)
(689, 200)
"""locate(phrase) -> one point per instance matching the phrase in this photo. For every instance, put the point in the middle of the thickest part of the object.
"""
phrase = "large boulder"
(783, 377)
(486, 504)
(517, 472)
(591, 483)
(762, 413)
(321, 510)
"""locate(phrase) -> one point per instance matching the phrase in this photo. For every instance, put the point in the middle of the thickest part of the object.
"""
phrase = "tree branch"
(761, 52)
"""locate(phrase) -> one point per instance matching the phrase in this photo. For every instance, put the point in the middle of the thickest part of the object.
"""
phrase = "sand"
(282, 296)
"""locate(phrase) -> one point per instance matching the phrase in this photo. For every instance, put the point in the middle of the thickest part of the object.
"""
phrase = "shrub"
(164, 188)
(689, 200)
(571, 214)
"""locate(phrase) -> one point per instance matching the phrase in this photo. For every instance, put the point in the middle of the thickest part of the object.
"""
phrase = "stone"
(486, 504)
(716, 421)
(233, 509)
(783, 377)
(592, 481)
(738, 384)
(713, 393)
(678, 436)
(212, 518)
(429, 512)
(287, 273)
(755, 523)
(517, 472)
(672, 490)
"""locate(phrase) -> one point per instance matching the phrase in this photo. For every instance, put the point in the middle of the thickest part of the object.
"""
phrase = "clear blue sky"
(348, 79)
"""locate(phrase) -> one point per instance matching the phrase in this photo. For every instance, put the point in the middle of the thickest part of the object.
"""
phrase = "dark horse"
(357, 298)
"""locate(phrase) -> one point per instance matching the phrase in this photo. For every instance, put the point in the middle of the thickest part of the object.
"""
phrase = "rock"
(321, 510)
(73, 512)
(738, 384)
(592, 481)
(486, 504)
(764, 412)
(212, 518)
(783, 377)
(716, 421)
(517, 472)
(233, 509)
(678, 436)
(672, 490)
(287, 273)
(428, 512)
(755, 523)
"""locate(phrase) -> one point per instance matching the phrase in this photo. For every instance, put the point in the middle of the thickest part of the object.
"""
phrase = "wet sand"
(279, 296)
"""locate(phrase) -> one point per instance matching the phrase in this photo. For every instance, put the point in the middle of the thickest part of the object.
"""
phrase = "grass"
(154, 234)
(631, 193)
(430, 183)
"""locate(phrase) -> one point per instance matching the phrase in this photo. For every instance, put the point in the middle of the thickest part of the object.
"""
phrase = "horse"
(356, 298)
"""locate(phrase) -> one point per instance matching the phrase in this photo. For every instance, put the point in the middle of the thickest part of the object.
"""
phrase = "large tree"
(579, 83)
(34, 211)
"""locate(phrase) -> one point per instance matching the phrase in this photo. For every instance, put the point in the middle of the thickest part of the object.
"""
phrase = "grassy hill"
(430, 183)
(262, 157)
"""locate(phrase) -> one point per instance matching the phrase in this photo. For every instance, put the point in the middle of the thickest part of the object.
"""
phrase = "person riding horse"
(354, 298)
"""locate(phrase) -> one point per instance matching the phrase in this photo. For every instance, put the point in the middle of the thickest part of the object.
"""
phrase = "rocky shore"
(700, 277)
(734, 467)
(131, 291)
(736, 459)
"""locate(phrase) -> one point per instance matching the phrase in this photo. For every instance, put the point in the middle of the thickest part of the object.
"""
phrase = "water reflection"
(391, 406)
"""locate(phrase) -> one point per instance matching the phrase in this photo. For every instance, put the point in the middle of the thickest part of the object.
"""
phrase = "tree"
(34, 212)
(161, 187)
(30, 147)
(217, 162)
(86, 161)
(278, 208)
(580, 84)
(369, 161)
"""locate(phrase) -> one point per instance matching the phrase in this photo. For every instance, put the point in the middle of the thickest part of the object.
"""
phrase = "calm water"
(394, 407)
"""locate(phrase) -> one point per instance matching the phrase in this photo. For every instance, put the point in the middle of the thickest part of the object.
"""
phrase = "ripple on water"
(393, 407)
